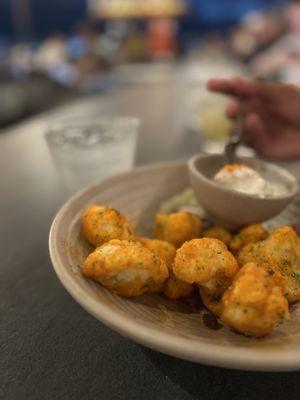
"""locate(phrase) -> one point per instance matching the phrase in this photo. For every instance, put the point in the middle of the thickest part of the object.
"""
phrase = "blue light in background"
(213, 12)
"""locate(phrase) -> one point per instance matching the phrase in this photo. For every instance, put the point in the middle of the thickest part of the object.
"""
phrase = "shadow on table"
(203, 382)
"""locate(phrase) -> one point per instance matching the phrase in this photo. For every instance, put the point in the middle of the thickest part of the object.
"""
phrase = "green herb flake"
(281, 318)
(296, 276)
(286, 263)
(215, 299)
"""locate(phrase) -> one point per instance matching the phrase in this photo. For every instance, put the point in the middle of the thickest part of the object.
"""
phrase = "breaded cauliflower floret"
(101, 224)
(126, 268)
(255, 302)
(282, 251)
(250, 234)
(212, 303)
(252, 252)
(206, 262)
(162, 249)
(217, 232)
(178, 227)
(175, 289)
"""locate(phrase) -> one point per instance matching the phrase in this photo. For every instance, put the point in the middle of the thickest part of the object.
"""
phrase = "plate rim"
(180, 347)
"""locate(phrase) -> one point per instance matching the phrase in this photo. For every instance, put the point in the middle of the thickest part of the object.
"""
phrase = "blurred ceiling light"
(107, 9)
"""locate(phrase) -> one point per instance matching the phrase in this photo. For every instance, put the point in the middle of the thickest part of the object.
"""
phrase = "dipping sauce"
(244, 179)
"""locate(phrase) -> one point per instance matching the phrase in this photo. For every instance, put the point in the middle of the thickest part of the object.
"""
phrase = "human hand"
(271, 112)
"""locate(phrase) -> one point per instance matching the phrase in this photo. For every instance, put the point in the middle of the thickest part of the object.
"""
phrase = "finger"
(284, 104)
(232, 109)
(220, 85)
(248, 88)
(254, 125)
(238, 86)
(248, 106)
(270, 91)
(255, 134)
(271, 139)
(232, 87)
(259, 89)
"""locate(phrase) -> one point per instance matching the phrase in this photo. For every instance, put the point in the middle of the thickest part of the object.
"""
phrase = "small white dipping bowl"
(234, 209)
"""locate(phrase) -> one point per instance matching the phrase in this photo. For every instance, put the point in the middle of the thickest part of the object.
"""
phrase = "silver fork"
(235, 139)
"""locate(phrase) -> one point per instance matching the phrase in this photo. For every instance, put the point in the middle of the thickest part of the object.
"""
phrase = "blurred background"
(52, 52)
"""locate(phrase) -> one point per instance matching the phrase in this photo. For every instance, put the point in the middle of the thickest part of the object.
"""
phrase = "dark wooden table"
(50, 347)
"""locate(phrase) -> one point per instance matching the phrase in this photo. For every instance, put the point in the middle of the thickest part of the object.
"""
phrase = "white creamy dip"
(244, 179)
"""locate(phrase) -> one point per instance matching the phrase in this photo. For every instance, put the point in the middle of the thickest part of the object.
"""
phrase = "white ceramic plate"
(163, 325)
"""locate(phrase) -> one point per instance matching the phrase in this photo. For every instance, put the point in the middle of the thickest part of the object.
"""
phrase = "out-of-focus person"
(256, 32)
(281, 59)
(51, 53)
(20, 60)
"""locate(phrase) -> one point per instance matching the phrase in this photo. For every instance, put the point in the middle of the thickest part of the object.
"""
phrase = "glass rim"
(128, 126)
(110, 120)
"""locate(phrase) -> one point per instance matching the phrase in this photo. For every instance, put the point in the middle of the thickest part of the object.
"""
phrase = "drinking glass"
(86, 151)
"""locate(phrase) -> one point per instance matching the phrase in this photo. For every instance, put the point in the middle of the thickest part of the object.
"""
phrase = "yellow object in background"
(136, 8)
(214, 124)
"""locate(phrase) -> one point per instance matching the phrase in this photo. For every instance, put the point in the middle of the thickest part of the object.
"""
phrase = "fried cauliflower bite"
(282, 251)
(176, 289)
(162, 249)
(212, 303)
(255, 302)
(253, 252)
(217, 232)
(206, 262)
(173, 289)
(127, 268)
(101, 224)
(178, 227)
(250, 234)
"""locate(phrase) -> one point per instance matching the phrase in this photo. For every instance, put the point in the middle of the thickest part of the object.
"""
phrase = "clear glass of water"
(86, 151)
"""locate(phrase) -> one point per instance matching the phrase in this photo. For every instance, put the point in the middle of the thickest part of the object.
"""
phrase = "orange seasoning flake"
(234, 167)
